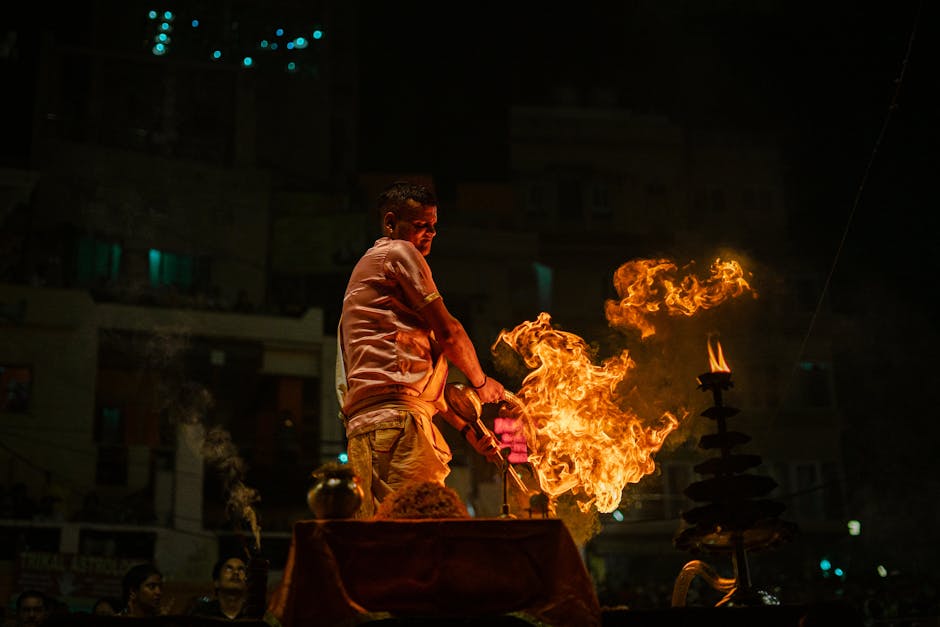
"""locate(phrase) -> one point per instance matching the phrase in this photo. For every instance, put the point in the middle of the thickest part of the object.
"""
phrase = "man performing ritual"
(396, 338)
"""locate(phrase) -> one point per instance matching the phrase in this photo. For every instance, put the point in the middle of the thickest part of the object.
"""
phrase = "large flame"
(581, 439)
(649, 286)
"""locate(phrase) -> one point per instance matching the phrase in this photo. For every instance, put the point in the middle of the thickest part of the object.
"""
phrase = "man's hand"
(492, 391)
(487, 446)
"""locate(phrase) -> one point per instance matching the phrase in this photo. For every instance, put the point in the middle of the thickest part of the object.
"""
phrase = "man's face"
(32, 612)
(147, 597)
(417, 225)
(232, 575)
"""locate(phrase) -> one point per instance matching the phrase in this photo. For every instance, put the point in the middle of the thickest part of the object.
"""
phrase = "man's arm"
(459, 350)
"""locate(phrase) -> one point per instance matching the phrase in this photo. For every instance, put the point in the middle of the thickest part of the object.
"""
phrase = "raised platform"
(349, 571)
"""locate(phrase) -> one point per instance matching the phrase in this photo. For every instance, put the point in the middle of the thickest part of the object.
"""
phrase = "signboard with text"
(67, 575)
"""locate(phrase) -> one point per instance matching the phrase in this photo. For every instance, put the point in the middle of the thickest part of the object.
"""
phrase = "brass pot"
(336, 492)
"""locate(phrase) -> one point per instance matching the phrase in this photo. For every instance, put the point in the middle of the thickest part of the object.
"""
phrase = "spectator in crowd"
(230, 590)
(143, 588)
(31, 608)
(107, 606)
(237, 593)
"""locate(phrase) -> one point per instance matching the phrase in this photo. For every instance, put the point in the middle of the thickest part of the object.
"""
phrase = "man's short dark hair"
(31, 594)
(113, 602)
(136, 576)
(395, 197)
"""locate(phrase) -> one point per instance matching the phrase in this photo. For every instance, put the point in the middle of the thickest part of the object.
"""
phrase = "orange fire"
(649, 286)
(581, 440)
(581, 437)
(716, 359)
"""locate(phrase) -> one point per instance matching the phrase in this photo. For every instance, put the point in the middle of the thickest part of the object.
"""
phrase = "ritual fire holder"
(734, 520)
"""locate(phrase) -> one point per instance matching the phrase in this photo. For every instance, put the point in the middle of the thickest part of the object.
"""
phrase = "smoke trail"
(221, 453)
(187, 402)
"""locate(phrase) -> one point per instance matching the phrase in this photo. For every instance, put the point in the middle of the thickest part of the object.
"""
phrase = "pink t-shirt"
(387, 347)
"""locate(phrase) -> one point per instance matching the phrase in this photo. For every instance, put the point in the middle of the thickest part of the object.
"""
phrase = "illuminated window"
(97, 260)
(544, 283)
(170, 269)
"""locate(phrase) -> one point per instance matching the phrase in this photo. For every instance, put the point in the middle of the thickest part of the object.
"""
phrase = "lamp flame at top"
(716, 359)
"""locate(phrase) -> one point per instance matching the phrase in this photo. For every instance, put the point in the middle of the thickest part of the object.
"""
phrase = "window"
(16, 382)
(97, 260)
(544, 281)
(183, 271)
(170, 269)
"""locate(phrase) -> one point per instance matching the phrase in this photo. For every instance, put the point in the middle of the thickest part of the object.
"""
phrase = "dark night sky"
(437, 81)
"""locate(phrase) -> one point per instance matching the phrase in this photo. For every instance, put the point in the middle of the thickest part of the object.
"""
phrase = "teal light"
(825, 564)
(618, 515)
(165, 26)
(279, 32)
(274, 46)
(838, 572)
(318, 34)
(290, 45)
(544, 280)
(264, 43)
(247, 61)
(216, 54)
(115, 260)
(300, 42)
(152, 14)
(155, 258)
(159, 49)
(162, 37)
(291, 66)
(343, 457)
(168, 15)
(195, 23)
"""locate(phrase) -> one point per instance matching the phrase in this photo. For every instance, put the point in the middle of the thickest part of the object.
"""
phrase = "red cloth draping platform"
(343, 572)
